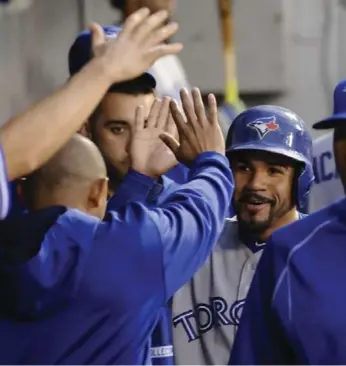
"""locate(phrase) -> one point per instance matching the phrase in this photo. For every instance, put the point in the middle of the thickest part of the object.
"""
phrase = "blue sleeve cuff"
(134, 187)
(5, 191)
(207, 158)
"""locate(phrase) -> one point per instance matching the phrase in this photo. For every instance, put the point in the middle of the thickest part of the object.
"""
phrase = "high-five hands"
(149, 155)
(140, 43)
(198, 133)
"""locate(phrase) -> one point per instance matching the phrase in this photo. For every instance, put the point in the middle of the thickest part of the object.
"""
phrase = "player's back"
(295, 309)
(206, 310)
(80, 290)
(61, 307)
(310, 290)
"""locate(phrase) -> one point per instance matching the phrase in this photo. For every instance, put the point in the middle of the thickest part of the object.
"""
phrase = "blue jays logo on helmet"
(264, 125)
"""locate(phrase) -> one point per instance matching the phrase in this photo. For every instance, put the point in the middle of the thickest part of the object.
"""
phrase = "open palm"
(149, 155)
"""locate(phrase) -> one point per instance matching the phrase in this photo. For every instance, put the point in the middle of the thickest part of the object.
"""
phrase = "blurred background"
(289, 52)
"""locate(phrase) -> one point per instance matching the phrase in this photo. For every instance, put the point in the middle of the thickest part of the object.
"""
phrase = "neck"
(57, 198)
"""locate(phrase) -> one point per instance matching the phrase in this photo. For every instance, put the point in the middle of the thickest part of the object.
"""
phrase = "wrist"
(109, 74)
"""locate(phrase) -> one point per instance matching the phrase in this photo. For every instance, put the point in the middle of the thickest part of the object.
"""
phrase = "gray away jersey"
(207, 310)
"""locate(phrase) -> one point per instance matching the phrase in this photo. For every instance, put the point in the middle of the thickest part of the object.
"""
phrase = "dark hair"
(118, 4)
(131, 87)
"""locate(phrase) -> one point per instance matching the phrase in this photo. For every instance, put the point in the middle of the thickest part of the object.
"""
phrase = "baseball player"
(269, 149)
(294, 312)
(81, 290)
(168, 71)
(66, 109)
(111, 123)
(328, 187)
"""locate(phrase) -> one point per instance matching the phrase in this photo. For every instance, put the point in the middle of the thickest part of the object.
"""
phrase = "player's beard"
(257, 226)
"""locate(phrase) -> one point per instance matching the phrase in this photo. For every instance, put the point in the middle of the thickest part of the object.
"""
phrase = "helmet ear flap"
(298, 171)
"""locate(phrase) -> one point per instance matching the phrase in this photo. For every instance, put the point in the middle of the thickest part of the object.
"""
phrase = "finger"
(162, 34)
(149, 25)
(163, 50)
(212, 109)
(154, 113)
(134, 20)
(170, 142)
(188, 108)
(171, 128)
(98, 36)
(179, 120)
(139, 118)
(164, 113)
(199, 106)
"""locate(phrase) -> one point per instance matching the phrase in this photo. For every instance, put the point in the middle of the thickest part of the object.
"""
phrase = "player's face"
(263, 188)
(112, 129)
(340, 152)
(156, 5)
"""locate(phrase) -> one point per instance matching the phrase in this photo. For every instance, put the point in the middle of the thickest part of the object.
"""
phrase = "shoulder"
(73, 227)
(310, 227)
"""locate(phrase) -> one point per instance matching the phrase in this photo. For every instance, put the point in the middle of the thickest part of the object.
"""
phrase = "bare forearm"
(31, 138)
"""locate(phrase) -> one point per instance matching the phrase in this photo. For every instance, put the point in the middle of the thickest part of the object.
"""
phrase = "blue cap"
(80, 54)
(339, 113)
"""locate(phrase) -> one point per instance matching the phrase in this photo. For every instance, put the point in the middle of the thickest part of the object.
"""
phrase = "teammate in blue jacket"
(81, 290)
(294, 312)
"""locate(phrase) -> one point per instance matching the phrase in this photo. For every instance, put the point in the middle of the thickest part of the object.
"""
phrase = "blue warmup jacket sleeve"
(181, 232)
(5, 191)
(141, 188)
(134, 187)
(191, 218)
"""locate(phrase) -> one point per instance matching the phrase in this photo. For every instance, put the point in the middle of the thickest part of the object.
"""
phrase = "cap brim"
(330, 122)
(144, 79)
(270, 148)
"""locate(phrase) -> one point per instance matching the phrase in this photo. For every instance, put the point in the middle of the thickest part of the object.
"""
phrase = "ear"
(97, 194)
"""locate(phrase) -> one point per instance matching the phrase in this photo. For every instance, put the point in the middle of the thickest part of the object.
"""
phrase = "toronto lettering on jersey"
(324, 167)
(204, 317)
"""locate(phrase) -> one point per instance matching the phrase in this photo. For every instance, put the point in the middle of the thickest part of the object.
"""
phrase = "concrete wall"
(303, 42)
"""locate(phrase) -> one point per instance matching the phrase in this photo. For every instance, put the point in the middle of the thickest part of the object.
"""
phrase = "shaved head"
(67, 178)
(78, 160)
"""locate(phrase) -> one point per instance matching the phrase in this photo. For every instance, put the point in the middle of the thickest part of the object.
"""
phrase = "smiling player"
(269, 149)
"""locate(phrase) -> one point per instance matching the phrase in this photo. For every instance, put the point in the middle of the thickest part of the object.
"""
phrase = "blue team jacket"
(294, 312)
(138, 187)
(78, 290)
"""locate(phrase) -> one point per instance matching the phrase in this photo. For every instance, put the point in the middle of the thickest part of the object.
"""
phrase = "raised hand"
(198, 133)
(149, 155)
(138, 46)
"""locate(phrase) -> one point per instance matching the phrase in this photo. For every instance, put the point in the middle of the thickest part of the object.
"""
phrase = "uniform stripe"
(5, 197)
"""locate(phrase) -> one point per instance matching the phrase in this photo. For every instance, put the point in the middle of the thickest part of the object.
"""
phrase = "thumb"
(170, 141)
(98, 35)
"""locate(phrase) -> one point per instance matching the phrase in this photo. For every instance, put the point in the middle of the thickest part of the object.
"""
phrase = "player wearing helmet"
(270, 152)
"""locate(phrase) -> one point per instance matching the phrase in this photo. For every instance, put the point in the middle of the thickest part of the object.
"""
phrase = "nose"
(127, 146)
(257, 181)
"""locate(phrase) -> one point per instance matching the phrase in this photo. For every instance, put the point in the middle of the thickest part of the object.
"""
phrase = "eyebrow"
(116, 122)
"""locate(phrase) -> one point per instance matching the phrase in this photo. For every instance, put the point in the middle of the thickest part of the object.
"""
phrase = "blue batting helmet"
(277, 130)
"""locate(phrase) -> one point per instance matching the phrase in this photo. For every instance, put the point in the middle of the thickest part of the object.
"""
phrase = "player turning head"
(269, 149)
